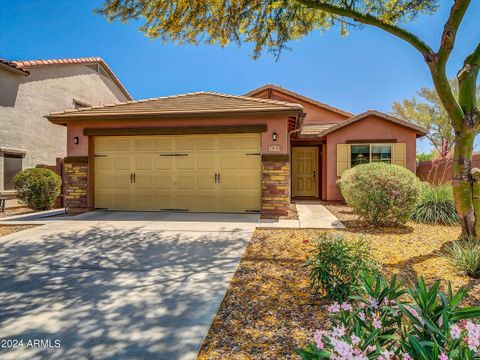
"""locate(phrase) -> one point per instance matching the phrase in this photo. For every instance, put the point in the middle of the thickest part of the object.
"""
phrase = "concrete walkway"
(118, 285)
(311, 215)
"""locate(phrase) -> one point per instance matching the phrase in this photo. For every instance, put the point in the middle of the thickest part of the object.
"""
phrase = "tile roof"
(300, 97)
(313, 130)
(11, 66)
(184, 104)
(86, 60)
(320, 132)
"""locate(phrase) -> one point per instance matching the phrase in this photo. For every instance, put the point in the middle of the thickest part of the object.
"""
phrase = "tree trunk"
(465, 184)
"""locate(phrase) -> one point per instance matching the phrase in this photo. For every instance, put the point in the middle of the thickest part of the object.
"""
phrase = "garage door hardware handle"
(253, 154)
(131, 178)
(134, 176)
(100, 155)
(216, 178)
(219, 180)
(173, 154)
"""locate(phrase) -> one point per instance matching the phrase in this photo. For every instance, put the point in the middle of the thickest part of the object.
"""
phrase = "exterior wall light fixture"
(274, 136)
(76, 140)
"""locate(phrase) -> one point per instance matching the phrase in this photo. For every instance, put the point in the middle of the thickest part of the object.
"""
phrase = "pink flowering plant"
(385, 321)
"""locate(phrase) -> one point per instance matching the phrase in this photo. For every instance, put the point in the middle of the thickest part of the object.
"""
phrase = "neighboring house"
(222, 153)
(32, 89)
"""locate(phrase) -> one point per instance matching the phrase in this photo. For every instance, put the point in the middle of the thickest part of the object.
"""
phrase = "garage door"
(204, 173)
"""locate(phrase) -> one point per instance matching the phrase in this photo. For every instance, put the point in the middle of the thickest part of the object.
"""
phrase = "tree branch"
(368, 19)
(467, 86)
(450, 29)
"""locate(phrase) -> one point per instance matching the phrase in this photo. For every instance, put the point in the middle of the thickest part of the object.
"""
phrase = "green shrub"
(37, 188)
(435, 205)
(335, 265)
(382, 194)
(465, 255)
(387, 321)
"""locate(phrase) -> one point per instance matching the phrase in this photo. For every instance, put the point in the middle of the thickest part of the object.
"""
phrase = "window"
(360, 154)
(363, 154)
(12, 165)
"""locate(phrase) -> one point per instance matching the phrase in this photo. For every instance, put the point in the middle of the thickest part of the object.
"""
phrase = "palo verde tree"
(270, 24)
(430, 113)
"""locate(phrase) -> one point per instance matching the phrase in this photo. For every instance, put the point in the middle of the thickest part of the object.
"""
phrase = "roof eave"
(65, 118)
(14, 69)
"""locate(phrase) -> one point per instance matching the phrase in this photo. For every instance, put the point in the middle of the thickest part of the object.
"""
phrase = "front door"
(305, 171)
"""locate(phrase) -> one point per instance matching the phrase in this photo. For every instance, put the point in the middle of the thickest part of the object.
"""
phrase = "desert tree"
(430, 113)
(271, 24)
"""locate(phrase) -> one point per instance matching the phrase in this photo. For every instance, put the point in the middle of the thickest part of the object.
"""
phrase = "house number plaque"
(274, 148)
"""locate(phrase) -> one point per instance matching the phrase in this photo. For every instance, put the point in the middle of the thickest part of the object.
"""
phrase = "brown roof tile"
(320, 132)
(184, 104)
(11, 66)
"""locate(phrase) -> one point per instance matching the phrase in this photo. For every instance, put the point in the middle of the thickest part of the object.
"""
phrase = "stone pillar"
(275, 184)
(75, 184)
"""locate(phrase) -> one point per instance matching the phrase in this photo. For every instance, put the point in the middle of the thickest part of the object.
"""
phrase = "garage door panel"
(206, 143)
(164, 163)
(226, 143)
(144, 163)
(185, 163)
(121, 163)
(164, 144)
(206, 182)
(205, 162)
(120, 181)
(163, 182)
(122, 144)
(229, 162)
(103, 163)
(250, 162)
(144, 181)
(144, 144)
(250, 143)
(103, 144)
(179, 172)
(185, 182)
(186, 143)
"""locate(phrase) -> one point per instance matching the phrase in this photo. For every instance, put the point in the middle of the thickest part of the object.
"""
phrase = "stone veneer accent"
(275, 185)
(75, 183)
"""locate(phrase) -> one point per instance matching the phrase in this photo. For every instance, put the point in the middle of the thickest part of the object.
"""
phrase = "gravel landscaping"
(10, 229)
(268, 311)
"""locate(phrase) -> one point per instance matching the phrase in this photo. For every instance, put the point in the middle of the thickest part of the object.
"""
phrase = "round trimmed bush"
(435, 205)
(37, 188)
(382, 194)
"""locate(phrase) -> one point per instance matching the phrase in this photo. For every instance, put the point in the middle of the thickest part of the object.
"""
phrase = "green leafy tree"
(431, 114)
(271, 24)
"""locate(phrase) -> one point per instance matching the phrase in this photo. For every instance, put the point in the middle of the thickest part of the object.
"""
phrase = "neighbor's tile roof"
(320, 131)
(11, 66)
(300, 97)
(184, 104)
(87, 60)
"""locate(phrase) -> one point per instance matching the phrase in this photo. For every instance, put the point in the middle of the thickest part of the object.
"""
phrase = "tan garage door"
(205, 173)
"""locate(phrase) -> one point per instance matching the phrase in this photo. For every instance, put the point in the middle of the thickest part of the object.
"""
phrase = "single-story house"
(212, 152)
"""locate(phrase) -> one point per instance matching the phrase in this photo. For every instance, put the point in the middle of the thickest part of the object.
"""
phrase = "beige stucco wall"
(277, 124)
(371, 128)
(24, 100)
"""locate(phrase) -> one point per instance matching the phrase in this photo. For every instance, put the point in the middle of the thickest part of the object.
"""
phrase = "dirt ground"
(268, 310)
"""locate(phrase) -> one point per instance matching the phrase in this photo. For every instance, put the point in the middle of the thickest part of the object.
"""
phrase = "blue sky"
(369, 69)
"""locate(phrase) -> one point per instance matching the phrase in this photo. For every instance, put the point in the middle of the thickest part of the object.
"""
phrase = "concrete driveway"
(117, 285)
